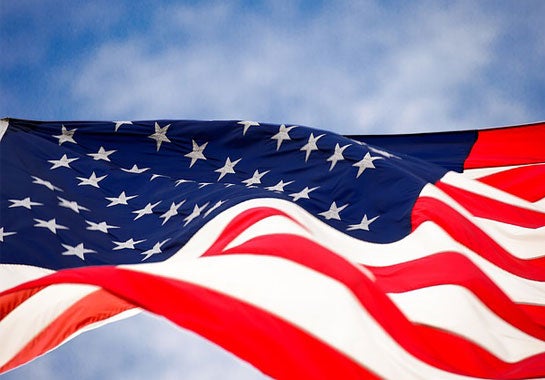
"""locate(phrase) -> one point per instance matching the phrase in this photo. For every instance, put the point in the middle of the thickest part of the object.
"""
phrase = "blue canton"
(102, 193)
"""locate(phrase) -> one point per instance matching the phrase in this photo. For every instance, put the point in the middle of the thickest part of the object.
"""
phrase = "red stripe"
(493, 209)
(535, 312)
(244, 329)
(10, 301)
(95, 307)
(438, 270)
(424, 342)
(508, 146)
(468, 234)
(526, 182)
(241, 222)
(273, 345)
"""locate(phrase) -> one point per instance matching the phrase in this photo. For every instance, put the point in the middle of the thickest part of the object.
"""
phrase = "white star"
(196, 212)
(26, 203)
(153, 176)
(218, 204)
(382, 152)
(120, 123)
(311, 145)
(180, 181)
(160, 135)
(283, 134)
(197, 153)
(102, 154)
(173, 210)
(228, 168)
(128, 244)
(256, 178)
(279, 186)
(71, 205)
(155, 250)
(303, 193)
(337, 156)
(45, 183)
(78, 250)
(50, 224)
(247, 124)
(146, 210)
(333, 212)
(93, 180)
(4, 234)
(120, 200)
(64, 161)
(366, 163)
(66, 135)
(102, 226)
(135, 169)
(363, 225)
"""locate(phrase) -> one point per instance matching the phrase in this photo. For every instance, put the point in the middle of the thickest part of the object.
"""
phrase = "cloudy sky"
(351, 67)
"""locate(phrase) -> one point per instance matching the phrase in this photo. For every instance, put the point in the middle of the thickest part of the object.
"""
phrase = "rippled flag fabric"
(306, 253)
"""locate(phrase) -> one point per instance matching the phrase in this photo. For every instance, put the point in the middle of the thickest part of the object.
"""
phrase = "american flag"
(306, 253)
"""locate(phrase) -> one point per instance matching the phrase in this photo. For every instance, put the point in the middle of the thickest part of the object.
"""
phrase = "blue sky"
(351, 67)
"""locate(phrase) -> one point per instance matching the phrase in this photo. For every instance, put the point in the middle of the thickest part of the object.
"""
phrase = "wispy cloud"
(357, 68)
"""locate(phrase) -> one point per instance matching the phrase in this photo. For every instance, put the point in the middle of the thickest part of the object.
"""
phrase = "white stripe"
(540, 204)
(12, 275)
(458, 180)
(483, 172)
(28, 319)
(510, 238)
(282, 225)
(525, 243)
(418, 244)
(456, 309)
(114, 318)
(4, 124)
(314, 302)
(426, 240)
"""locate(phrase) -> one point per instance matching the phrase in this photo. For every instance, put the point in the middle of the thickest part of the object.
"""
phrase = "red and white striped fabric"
(462, 296)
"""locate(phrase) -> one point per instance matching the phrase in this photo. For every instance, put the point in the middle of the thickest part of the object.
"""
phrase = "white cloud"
(349, 69)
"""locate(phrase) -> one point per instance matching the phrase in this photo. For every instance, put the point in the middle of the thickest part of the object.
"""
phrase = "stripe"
(525, 243)
(508, 146)
(248, 277)
(233, 324)
(12, 300)
(489, 208)
(483, 172)
(12, 275)
(409, 248)
(458, 180)
(314, 230)
(410, 337)
(95, 307)
(522, 242)
(437, 270)
(456, 309)
(468, 234)
(4, 124)
(526, 182)
(40, 310)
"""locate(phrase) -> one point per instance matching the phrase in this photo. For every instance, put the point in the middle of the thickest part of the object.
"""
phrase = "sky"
(359, 67)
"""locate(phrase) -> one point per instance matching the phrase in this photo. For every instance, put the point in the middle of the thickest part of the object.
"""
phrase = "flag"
(306, 253)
